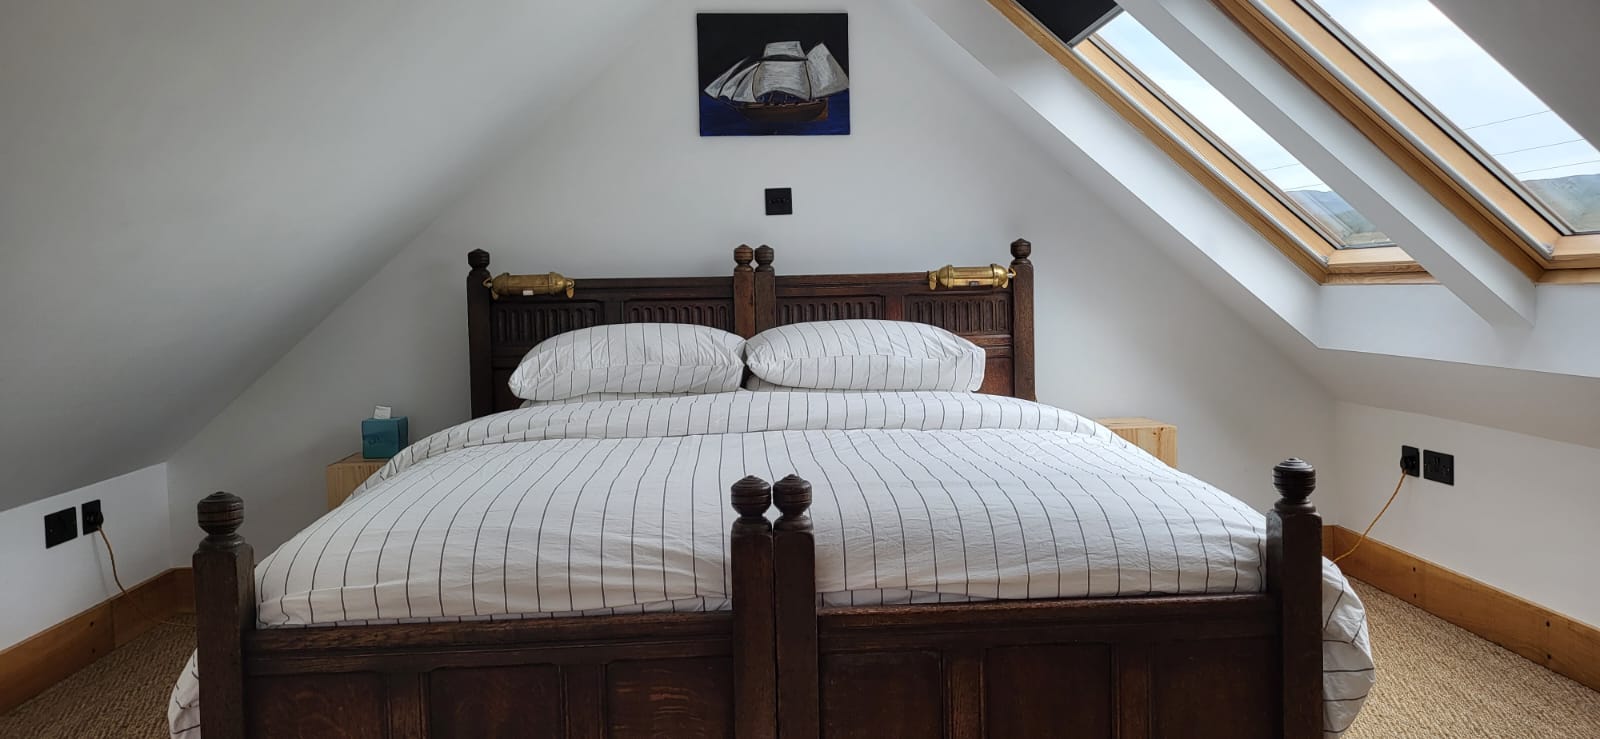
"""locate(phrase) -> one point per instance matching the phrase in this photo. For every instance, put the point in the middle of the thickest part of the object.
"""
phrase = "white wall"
(1520, 517)
(189, 186)
(46, 586)
(621, 184)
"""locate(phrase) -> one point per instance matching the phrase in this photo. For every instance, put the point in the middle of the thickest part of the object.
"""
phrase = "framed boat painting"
(774, 74)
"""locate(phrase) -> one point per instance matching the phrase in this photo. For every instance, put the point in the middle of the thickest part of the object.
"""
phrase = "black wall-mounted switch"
(1439, 467)
(1410, 460)
(92, 517)
(780, 201)
(60, 526)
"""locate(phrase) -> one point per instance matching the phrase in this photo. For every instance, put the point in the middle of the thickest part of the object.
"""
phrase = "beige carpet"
(123, 694)
(1434, 680)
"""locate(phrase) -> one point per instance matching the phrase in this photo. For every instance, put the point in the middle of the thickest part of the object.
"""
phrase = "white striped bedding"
(623, 506)
(860, 354)
(631, 358)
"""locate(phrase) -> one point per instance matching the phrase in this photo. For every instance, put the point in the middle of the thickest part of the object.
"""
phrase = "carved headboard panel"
(502, 329)
(990, 306)
(997, 317)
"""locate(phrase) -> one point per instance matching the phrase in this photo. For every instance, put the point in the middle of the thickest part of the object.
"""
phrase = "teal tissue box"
(382, 438)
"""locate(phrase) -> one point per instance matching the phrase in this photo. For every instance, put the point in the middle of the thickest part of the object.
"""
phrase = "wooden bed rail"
(779, 667)
(620, 676)
(826, 657)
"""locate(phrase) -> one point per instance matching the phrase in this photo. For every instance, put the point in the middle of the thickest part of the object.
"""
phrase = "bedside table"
(347, 474)
(1157, 438)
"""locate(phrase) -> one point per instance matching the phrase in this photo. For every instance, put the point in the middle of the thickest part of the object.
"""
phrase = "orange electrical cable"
(118, 579)
(1368, 530)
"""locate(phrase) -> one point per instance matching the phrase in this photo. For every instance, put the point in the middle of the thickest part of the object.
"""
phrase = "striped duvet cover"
(622, 506)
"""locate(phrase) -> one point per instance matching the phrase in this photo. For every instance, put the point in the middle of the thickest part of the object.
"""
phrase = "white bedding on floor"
(622, 506)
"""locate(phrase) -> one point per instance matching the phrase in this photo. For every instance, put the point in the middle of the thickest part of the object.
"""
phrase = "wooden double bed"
(777, 664)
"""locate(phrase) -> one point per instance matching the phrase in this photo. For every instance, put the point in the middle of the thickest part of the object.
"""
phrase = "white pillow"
(631, 358)
(865, 355)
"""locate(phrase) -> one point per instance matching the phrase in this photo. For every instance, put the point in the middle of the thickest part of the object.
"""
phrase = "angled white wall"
(621, 184)
(189, 186)
(1520, 516)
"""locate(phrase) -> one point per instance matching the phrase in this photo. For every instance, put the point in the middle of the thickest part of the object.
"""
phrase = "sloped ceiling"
(1015, 77)
(187, 186)
(1525, 37)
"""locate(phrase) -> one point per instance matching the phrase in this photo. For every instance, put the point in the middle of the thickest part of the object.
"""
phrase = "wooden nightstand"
(347, 474)
(1157, 438)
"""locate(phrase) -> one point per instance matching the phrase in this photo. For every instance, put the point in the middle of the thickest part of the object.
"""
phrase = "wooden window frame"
(1430, 154)
(1216, 169)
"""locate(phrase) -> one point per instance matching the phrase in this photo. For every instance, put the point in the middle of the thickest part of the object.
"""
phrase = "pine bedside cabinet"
(347, 474)
(1157, 438)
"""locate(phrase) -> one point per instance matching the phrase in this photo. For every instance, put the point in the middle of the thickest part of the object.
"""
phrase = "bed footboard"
(646, 675)
(1235, 666)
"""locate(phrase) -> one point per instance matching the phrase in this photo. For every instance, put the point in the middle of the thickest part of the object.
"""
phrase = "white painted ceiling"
(188, 186)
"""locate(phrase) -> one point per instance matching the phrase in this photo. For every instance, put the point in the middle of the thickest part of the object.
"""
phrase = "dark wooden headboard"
(502, 329)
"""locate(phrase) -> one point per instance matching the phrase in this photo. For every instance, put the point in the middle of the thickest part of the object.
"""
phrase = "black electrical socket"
(780, 201)
(1410, 460)
(92, 517)
(60, 526)
(1439, 467)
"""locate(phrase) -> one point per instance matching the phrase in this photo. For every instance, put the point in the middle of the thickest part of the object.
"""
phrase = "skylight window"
(1227, 127)
(1477, 101)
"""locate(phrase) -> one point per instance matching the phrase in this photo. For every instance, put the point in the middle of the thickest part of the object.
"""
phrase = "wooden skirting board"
(1562, 644)
(31, 667)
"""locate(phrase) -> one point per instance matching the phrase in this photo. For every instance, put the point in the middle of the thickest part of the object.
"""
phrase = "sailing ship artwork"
(766, 74)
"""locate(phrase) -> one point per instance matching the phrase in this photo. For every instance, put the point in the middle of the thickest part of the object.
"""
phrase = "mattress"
(622, 506)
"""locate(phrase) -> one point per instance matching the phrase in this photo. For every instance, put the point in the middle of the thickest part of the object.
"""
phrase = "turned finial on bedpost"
(796, 599)
(1295, 479)
(1294, 577)
(764, 293)
(752, 496)
(793, 497)
(220, 516)
(225, 609)
(1022, 374)
(755, 694)
(480, 304)
(742, 254)
(1021, 249)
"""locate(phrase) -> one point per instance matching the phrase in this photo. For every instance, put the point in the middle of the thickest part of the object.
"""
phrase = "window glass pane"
(1229, 127)
(1488, 107)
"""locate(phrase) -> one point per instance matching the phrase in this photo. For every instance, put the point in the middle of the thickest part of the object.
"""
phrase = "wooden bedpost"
(1022, 320)
(1294, 576)
(755, 678)
(478, 301)
(225, 608)
(794, 553)
(766, 290)
(744, 292)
